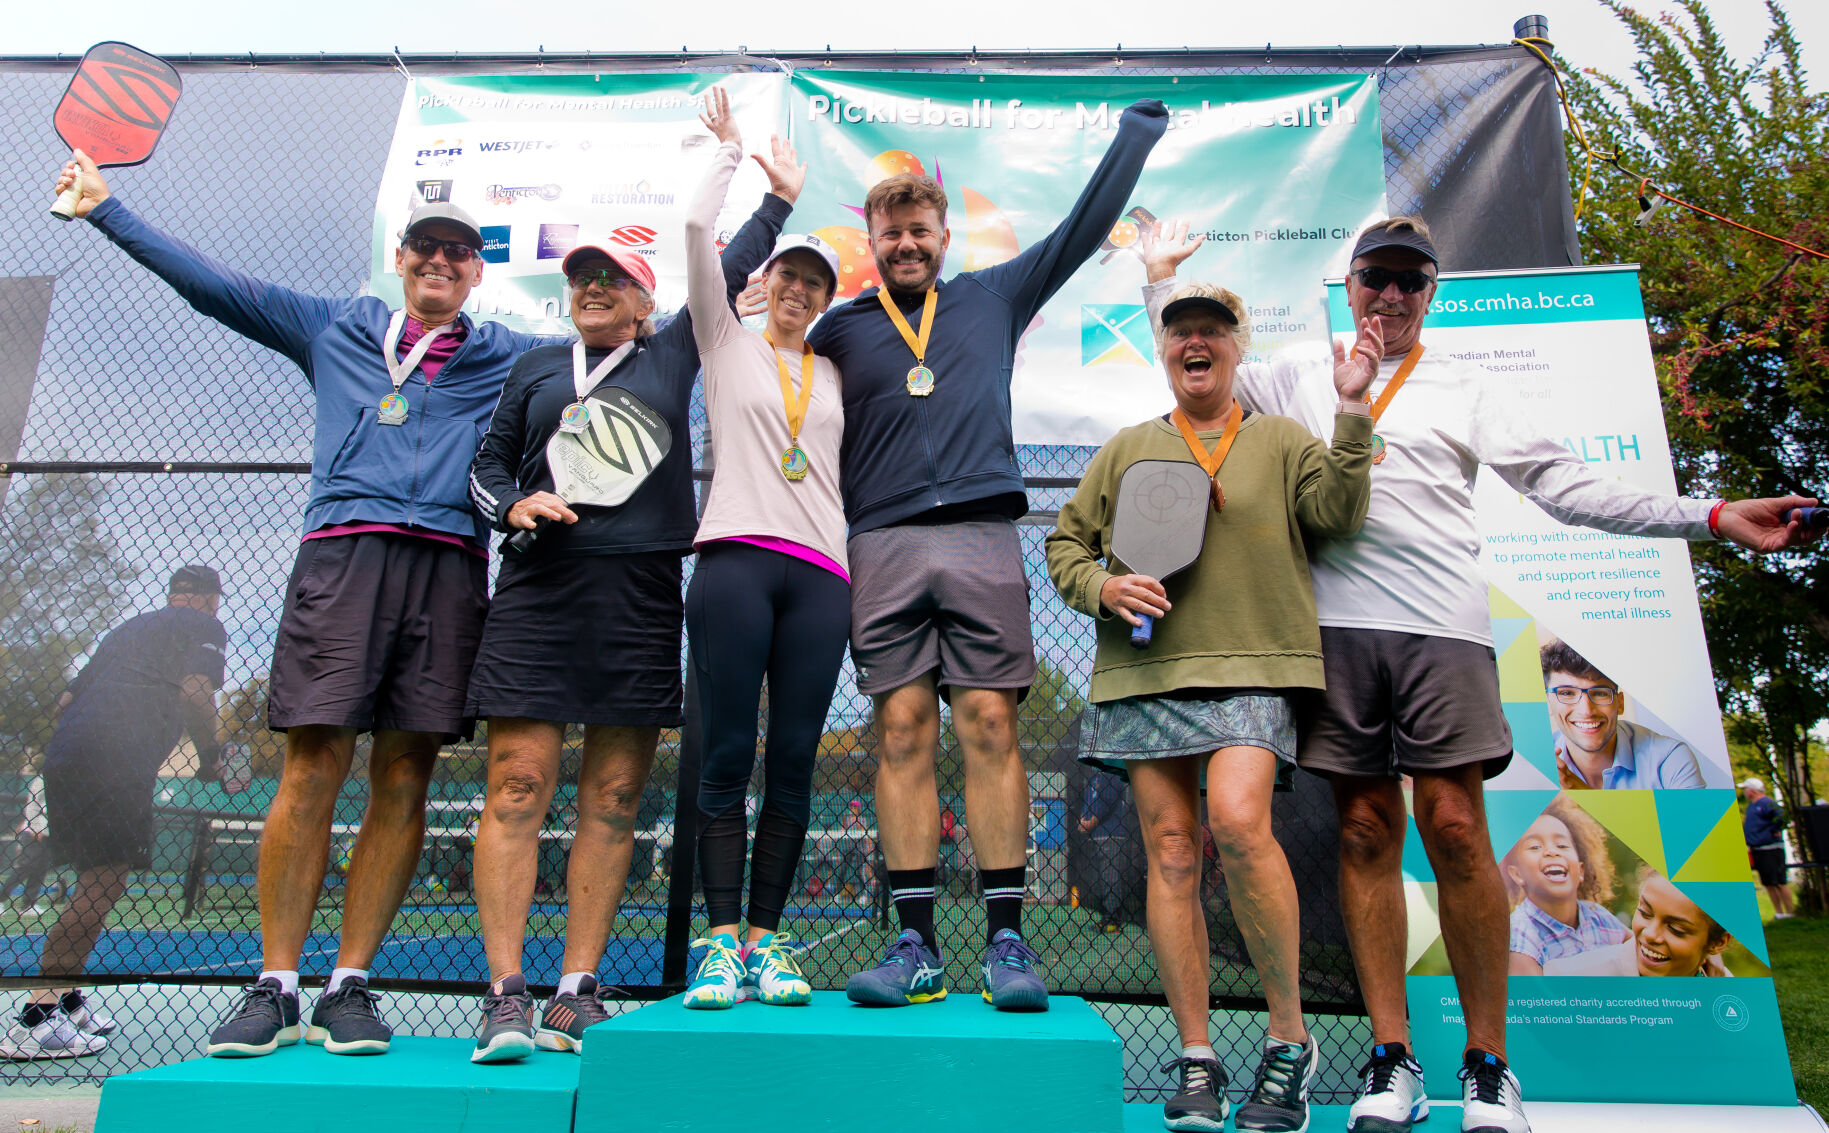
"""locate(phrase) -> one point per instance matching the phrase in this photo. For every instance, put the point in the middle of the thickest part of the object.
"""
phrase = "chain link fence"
(155, 438)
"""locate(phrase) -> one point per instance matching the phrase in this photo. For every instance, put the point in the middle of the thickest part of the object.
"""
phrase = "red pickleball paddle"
(115, 108)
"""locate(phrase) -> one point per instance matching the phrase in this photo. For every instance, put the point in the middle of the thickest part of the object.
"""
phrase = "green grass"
(1800, 972)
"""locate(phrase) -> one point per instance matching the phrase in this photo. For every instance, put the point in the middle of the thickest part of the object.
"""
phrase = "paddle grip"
(65, 207)
(1139, 637)
(1809, 516)
(523, 539)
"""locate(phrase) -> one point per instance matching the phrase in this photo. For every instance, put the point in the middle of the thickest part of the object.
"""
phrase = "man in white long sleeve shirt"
(1412, 687)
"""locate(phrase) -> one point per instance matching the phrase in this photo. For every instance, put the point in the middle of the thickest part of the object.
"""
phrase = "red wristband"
(1714, 518)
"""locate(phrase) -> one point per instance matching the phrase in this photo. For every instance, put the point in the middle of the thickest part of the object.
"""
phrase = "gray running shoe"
(1011, 982)
(265, 1020)
(506, 1032)
(1279, 1101)
(907, 973)
(51, 1035)
(1199, 1106)
(567, 1017)
(345, 1021)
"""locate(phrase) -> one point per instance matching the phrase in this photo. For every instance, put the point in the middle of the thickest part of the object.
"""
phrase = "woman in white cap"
(770, 595)
(588, 464)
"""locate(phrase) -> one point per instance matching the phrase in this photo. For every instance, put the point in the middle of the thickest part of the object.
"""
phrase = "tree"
(1739, 331)
(61, 586)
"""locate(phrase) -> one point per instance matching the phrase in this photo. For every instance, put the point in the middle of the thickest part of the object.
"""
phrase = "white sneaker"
(56, 1037)
(1491, 1101)
(87, 1019)
(1391, 1097)
(773, 975)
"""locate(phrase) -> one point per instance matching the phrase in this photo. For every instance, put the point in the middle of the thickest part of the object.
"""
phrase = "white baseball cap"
(1752, 784)
(792, 240)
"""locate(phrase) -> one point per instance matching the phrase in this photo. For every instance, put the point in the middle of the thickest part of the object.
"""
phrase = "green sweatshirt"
(1244, 612)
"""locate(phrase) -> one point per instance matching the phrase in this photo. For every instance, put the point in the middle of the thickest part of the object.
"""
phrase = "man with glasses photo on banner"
(1412, 684)
(385, 605)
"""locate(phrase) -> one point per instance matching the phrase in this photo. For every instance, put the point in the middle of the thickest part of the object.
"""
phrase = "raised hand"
(753, 299)
(717, 119)
(1165, 245)
(787, 174)
(1765, 525)
(95, 187)
(1353, 374)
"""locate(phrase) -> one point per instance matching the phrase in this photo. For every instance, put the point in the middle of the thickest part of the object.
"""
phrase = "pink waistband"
(787, 547)
(394, 529)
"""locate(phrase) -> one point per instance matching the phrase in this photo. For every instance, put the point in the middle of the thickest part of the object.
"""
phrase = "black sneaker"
(265, 1020)
(1279, 1101)
(345, 1021)
(1200, 1104)
(563, 1023)
(506, 1032)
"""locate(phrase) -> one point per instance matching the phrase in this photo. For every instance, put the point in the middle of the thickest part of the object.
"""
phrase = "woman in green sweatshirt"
(1207, 702)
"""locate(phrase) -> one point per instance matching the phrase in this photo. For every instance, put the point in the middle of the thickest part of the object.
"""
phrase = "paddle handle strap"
(1809, 516)
(65, 206)
(1139, 637)
(522, 540)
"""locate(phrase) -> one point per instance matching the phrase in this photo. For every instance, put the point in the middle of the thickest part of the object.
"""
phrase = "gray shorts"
(1398, 703)
(946, 596)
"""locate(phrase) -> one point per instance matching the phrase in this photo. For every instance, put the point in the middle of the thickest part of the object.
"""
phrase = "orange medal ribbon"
(794, 458)
(920, 378)
(1210, 461)
(1390, 391)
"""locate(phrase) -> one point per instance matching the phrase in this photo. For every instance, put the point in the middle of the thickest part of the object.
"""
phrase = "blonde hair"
(1228, 299)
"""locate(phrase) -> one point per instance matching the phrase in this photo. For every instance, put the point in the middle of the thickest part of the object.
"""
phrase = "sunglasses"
(429, 246)
(602, 277)
(1600, 696)
(1409, 281)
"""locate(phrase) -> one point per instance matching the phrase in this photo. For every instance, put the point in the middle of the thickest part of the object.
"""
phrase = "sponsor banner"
(619, 156)
(1606, 886)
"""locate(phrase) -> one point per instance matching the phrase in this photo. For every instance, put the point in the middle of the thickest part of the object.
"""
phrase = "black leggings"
(752, 612)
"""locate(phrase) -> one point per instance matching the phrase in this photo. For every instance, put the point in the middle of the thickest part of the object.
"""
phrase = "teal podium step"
(420, 1085)
(955, 1066)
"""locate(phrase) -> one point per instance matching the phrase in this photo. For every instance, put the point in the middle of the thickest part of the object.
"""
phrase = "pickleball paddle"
(117, 105)
(1160, 523)
(618, 450)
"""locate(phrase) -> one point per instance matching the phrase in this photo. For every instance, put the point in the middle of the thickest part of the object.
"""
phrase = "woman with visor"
(585, 623)
(770, 596)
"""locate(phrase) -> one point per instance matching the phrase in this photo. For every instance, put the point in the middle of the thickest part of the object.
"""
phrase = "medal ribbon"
(796, 407)
(917, 345)
(1210, 461)
(583, 383)
(401, 369)
(1396, 383)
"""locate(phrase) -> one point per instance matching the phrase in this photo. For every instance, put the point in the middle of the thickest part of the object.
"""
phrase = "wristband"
(1356, 408)
(1714, 518)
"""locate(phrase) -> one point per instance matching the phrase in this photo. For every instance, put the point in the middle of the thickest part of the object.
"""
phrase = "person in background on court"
(1412, 680)
(770, 596)
(586, 621)
(1559, 879)
(152, 680)
(1209, 705)
(1763, 826)
(385, 605)
(31, 847)
(939, 596)
(1101, 820)
(1594, 747)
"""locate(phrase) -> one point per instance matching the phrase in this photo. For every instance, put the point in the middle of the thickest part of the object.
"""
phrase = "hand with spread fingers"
(786, 172)
(1165, 246)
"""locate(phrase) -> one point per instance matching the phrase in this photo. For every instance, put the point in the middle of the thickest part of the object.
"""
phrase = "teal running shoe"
(1011, 982)
(720, 975)
(773, 976)
(908, 973)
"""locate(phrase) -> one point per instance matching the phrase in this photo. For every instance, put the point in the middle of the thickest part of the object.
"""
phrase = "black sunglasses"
(428, 246)
(1409, 281)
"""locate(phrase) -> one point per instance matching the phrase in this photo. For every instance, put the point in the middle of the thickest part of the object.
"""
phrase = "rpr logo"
(441, 153)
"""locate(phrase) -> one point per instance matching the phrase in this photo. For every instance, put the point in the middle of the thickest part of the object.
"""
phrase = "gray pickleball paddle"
(1160, 524)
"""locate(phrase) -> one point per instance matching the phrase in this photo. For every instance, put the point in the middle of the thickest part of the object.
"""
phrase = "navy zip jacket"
(904, 455)
(361, 470)
(511, 464)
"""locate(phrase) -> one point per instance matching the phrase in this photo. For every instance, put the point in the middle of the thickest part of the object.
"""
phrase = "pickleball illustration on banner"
(115, 109)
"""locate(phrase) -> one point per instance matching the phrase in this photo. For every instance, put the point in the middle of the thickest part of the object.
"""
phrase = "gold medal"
(794, 462)
(920, 378)
(1378, 449)
(920, 381)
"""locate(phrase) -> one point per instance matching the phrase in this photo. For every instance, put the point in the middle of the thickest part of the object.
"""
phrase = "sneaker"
(81, 1012)
(265, 1020)
(566, 1018)
(1491, 1101)
(1391, 1097)
(1200, 1103)
(1011, 982)
(51, 1036)
(908, 973)
(773, 975)
(719, 980)
(1279, 1101)
(345, 1021)
(506, 1032)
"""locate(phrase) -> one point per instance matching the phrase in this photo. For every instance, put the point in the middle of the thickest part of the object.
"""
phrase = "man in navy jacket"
(385, 605)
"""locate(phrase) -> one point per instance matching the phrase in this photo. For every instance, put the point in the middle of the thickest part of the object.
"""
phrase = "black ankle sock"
(1003, 892)
(71, 1000)
(36, 1013)
(912, 890)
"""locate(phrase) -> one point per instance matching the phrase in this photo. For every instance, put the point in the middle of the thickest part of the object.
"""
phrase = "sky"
(1587, 34)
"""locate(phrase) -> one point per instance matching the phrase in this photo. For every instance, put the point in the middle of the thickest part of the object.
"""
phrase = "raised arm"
(1334, 485)
(713, 320)
(276, 317)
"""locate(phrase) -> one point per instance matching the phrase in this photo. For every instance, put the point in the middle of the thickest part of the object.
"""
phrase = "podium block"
(420, 1084)
(955, 1065)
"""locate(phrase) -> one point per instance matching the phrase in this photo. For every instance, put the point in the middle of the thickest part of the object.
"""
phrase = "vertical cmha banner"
(1279, 170)
(1641, 872)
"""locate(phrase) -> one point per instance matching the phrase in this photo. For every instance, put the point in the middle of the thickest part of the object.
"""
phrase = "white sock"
(570, 982)
(339, 975)
(1200, 1051)
(288, 981)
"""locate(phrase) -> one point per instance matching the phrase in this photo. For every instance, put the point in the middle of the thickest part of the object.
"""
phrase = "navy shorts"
(98, 819)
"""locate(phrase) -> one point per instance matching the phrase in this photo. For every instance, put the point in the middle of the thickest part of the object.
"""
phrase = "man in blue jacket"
(939, 595)
(385, 605)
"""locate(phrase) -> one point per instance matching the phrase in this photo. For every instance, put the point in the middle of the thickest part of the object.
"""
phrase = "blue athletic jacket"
(361, 470)
(905, 455)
